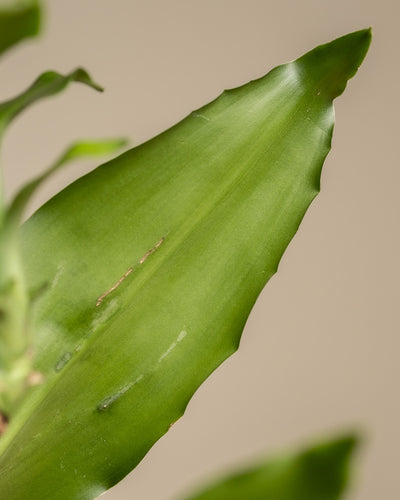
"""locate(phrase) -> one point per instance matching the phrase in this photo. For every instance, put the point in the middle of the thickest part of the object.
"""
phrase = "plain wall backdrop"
(320, 350)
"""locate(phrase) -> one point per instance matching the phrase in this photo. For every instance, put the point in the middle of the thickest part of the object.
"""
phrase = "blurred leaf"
(145, 271)
(18, 20)
(15, 355)
(318, 473)
(76, 151)
(46, 85)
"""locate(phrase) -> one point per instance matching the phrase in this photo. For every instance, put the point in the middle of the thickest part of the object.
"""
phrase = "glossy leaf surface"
(144, 272)
(318, 473)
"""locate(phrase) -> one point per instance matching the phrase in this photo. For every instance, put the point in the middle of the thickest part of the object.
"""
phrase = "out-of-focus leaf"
(15, 358)
(48, 84)
(18, 20)
(78, 150)
(145, 271)
(15, 355)
(318, 473)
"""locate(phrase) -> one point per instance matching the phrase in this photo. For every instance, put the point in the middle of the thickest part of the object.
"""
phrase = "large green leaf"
(18, 20)
(318, 473)
(145, 270)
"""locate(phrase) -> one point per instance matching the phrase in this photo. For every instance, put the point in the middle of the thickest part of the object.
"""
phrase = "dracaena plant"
(121, 294)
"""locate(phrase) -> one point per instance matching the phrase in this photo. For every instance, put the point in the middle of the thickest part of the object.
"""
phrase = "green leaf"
(18, 20)
(145, 271)
(76, 151)
(318, 473)
(48, 84)
(15, 357)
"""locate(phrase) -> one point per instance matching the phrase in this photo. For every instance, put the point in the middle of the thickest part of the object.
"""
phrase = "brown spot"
(128, 272)
(102, 297)
(149, 252)
(35, 378)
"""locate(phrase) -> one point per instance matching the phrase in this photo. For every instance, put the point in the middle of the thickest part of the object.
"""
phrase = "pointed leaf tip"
(328, 67)
(319, 472)
(329, 463)
(337, 451)
(82, 76)
(47, 84)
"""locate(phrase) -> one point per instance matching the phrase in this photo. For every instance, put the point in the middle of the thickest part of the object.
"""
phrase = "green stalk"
(15, 360)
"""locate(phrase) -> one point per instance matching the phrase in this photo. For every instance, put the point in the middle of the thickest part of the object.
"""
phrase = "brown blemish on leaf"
(35, 378)
(149, 252)
(102, 297)
(128, 272)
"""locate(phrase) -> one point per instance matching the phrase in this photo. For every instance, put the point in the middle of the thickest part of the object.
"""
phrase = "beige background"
(320, 350)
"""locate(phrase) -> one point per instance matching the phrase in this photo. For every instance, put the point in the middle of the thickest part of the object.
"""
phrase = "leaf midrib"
(167, 249)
